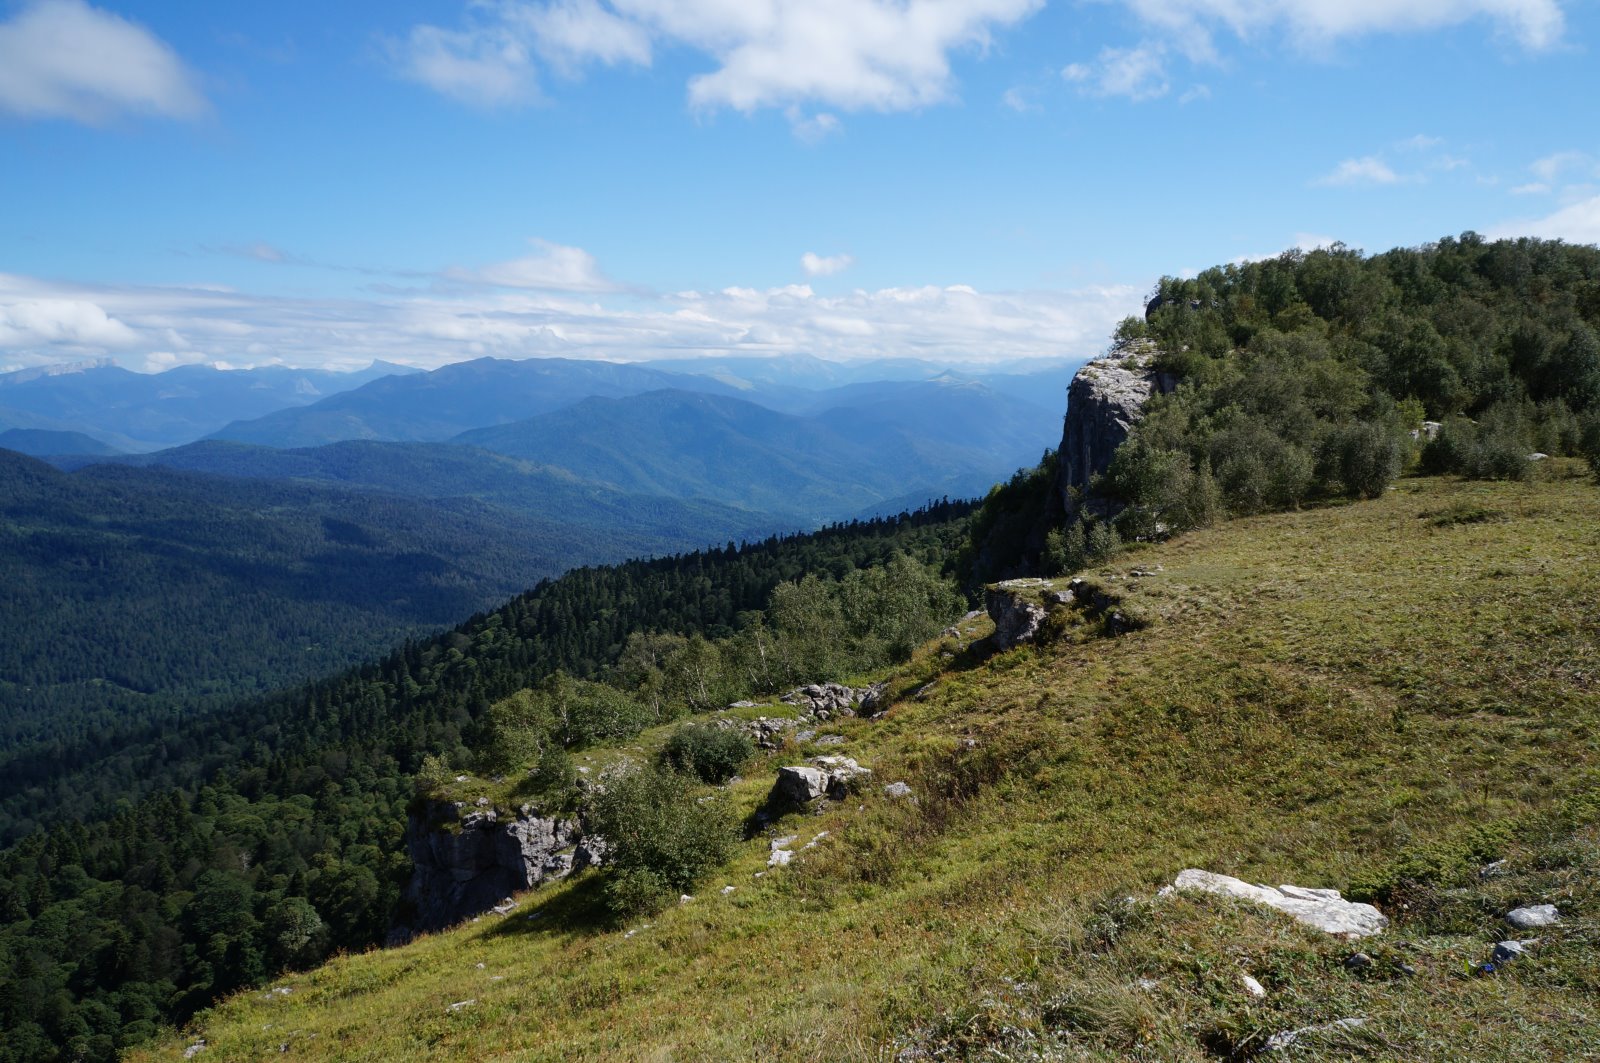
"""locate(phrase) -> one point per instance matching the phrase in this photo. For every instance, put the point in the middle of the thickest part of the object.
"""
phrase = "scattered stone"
(728, 889)
(461, 778)
(1253, 987)
(844, 774)
(1405, 968)
(458, 1005)
(507, 905)
(897, 789)
(830, 740)
(804, 736)
(1147, 984)
(685, 898)
(742, 705)
(480, 966)
(1533, 916)
(827, 700)
(482, 802)
(1506, 951)
(1537, 456)
(194, 1049)
(1492, 870)
(812, 844)
(1288, 1038)
(1357, 961)
(1324, 909)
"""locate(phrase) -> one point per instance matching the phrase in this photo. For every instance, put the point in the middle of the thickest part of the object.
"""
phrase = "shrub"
(661, 839)
(1589, 442)
(711, 754)
(1364, 457)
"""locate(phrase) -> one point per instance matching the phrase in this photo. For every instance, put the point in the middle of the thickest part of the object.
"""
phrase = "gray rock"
(799, 784)
(1506, 951)
(1322, 908)
(1104, 401)
(1253, 987)
(1357, 961)
(897, 789)
(1533, 916)
(1016, 616)
(475, 868)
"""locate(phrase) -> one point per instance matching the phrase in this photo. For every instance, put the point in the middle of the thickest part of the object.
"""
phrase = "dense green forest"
(1323, 375)
(136, 595)
(274, 832)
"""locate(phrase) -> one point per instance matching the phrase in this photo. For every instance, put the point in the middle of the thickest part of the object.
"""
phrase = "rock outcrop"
(827, 700)
(1104, 401)
(1324, 909)
(825, 776)
(1016, 613)
(465, 864)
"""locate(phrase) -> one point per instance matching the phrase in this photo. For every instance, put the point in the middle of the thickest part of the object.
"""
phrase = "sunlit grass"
(1356, 697)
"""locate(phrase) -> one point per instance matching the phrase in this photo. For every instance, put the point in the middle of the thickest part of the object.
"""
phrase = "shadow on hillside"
(579, 911)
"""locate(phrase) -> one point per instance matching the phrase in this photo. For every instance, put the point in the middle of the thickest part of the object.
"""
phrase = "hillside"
(1381, 697)
(896, 441)
(445, 471)
(143, 411)
(433, 406)
(136, 596)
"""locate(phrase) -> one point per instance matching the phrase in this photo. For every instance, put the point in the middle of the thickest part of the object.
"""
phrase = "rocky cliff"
(468, 861)
(1104, 401)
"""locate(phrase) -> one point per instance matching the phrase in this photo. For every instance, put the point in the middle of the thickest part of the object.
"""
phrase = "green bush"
(661, 839)
(1589, 442)
(711, 754)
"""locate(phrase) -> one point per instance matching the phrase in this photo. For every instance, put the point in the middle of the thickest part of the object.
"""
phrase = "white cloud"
(1016, 98)
(66, 59)
(64, 322)
(813, 129)
(825, 265)
(1578, 223)
(1367, 170)
(1550, 168)
(1535, 188)
(1139, 73)
(883, 55)
(954, 323)
(1196, 92)
(486, 67)
(1315, 24)
(1420, 142)
(552, 268)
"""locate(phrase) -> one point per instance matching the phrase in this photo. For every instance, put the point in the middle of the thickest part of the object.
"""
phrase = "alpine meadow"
(615, 530)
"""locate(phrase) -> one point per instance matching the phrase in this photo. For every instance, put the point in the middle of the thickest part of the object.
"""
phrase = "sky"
(957, 180)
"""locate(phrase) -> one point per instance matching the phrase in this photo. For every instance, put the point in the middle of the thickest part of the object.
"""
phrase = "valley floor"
(1380, 698)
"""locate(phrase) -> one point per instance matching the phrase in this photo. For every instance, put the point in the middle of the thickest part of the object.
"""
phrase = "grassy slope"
(1319, 695)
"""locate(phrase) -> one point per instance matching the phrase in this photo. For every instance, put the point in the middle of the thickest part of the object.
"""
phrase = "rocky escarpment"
(1104, 401)
(465, 862)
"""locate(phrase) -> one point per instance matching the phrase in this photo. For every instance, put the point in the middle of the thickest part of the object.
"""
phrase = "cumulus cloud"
(1577, 223)
(1314, 24)
(1139, 73)
(817, 265)
(66, 59)
(53, 321)
(552, 268)
(954, 323)
(1367, 170)
(883, 55)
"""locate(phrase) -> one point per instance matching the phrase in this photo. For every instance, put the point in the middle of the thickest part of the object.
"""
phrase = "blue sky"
(952, 179)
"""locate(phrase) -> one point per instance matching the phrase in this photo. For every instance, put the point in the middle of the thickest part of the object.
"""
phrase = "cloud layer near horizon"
(153, 328)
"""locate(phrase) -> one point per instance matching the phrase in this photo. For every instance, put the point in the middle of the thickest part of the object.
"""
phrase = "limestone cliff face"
(467, 862)
(1104, 401)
